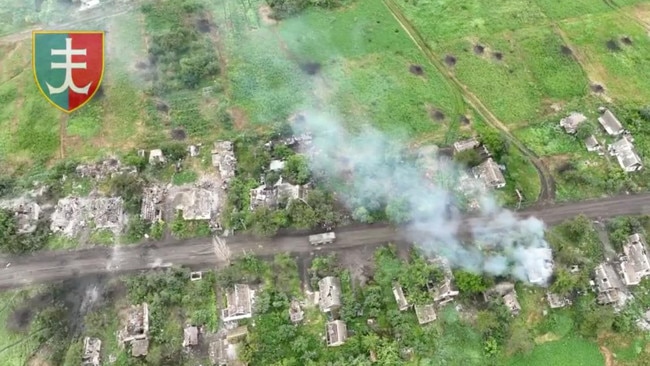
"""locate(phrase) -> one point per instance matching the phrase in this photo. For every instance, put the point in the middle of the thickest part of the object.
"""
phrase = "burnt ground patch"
(464, 120)
(178, 134)
(479, 49)
(498, 55)
(99, 94)
(436, 115)
(596, 88)
(416, 70)
(450, 60)
(310, 68)
(613, 45)
(162, 107)
(203, 25)
(626, 40)
(566, 51)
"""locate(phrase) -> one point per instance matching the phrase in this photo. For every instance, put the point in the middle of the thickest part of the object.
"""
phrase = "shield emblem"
(68, 66)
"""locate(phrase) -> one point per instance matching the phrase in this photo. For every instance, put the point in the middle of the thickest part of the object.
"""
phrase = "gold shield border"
(101, 76)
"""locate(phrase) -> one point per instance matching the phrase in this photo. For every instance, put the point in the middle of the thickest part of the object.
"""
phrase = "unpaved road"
(199, 253)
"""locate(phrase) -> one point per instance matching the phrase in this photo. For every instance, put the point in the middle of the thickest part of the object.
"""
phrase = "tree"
(398, 211)
(495, 142)
(13, 242)
(361, 214)
(296, 169)
(301, 216)
(564, 282)
(521, 340)
(584, 130)
(263, 223)
(174, 151)
(470, 283)
(468, 158)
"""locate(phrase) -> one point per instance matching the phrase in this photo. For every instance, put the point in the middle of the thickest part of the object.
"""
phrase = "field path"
(547, 184)
(612, 4)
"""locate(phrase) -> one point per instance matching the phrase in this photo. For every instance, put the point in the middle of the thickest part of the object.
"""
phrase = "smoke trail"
(377, 174)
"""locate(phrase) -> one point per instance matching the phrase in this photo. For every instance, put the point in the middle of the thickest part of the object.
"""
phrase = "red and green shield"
(68, 66)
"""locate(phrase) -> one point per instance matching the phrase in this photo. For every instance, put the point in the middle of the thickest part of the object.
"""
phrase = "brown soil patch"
(626, 40)
(450, 60)
(40, 358)
(266, 14)
(498, 55)
(597, 88)
(203, 25)
(548, 337)
(479, 49)
(464, 120)
(416, 70)
(310, 68)
(240, 120)
(178, 134)
(566, 51)
(612, 45)
(437, 115)
(609, 357)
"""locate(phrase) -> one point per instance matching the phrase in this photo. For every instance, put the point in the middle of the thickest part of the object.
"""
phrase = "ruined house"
(634, 263)
(556, 301)
(108, 168)
(153, 203)
(75, 213)
(26, 212)
(88, 4)
(276, 165)
(608, 284)
(593, 145)
(91, 352)
(490, 173)
(196, 203)
(223, 353)
(329, 294)
(626, 155)
(295, 312)
(444, 291)
(271, 196)
(156, 156)
(193, 150)
(136, 330)
(224, 160)
(464, 145)
(398, 292)
(425, 313)
(336, 333)
(571, 122)
(511, 302)
(239, 303)
(190, 336)
(610, 123)
(506, 292)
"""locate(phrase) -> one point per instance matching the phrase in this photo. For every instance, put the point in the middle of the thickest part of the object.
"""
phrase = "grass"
(59, 241)
(15, 347)
(184, 177)
(102, 237)
(567, 351)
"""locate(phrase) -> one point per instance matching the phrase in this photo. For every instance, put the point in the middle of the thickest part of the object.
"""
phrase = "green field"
(567, 351)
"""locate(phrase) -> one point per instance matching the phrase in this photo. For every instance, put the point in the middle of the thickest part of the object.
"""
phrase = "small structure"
(156, 156)
(556, 301)
(26, 212)
(72, 214)
(329, 294)
(634, 263)
(511, 302)
(464, 145)
(626, 155)
(108, 168)
(608, 284)
(224, 160)
(236, 334)
(271, 196)
(337, 333)
(153, 198)
(610, 123)
(425, 313)
(295, 312)
(195, 276)
(593, 145)
(92, 349)
(443, 292)
(322, 238)
(193, 150)
(190, 336)
(398, 292)
(223, 353)
(239, 303)
(136, 330)
(539, 265)
(276, 165)
(490, 173)
(571, 123)
(88, 4)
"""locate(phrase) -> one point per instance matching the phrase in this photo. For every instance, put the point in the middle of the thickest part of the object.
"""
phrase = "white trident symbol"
(68, 65)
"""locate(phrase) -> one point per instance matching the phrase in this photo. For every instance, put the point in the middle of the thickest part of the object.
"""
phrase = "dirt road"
(52, 266)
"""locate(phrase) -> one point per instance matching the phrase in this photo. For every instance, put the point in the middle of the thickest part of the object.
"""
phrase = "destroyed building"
(626, 155)
(506, 292)
(196, 203)
(153, 203)
(276, 165)
(610, 123)
(91, 352)
(512, 303)
(190, 336)
(136, 330)
(556, 301)
(295, 312)
(223, 353)
(26, 212)
(329, 294)
(490, 173)
(444, 291)
(425, 313)
(271, 196)
(75, 213)
(609, 286)
(336, 333)
(156, 156)
(541, 265)
(239, 303)
(464, 145)
(634, 263)
(592, 145)
(108, 168)
(398, 292)
(571, 122)
(224, 160)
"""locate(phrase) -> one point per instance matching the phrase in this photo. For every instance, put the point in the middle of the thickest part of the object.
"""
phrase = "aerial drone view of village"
(324, 182)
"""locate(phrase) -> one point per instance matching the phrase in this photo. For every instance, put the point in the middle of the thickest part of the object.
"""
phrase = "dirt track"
(199, 253)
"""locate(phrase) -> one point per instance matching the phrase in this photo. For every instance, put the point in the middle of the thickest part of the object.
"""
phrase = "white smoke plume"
(375, 172)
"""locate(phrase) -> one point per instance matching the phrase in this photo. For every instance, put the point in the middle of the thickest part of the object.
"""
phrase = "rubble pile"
(105, 169)
(73, 214)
